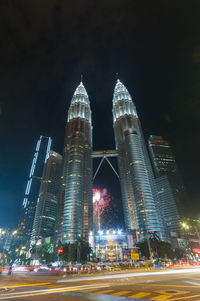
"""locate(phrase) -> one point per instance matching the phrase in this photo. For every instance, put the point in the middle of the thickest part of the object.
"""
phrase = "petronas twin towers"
(139, 197)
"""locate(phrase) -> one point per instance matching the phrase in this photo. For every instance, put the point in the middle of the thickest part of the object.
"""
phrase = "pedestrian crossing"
(140, 295)
(135, 294)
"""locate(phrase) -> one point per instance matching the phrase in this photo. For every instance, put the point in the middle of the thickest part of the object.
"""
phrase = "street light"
(185, 226)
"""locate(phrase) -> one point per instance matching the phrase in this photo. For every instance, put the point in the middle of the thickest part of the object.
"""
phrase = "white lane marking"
(49, 291)
(131, 275)
(191, 282)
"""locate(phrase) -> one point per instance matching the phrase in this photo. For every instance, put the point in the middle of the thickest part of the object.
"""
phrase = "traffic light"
(60, 251)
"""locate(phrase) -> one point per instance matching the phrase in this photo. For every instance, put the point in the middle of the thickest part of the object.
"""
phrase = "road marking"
(121, 293)
(161, 297)
(46, 291)
(129, 275)
(171, 293)
(23, 285)
(104, 292)
(139, 295)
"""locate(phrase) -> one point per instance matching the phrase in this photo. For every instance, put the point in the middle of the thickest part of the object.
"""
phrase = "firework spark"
(101, 200)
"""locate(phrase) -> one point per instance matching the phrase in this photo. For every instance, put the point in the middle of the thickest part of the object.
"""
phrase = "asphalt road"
(183, 284)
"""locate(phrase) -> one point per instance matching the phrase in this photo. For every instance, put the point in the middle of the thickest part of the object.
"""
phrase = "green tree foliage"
(179, 253)
(47, 252)
(160, 249)
(44, 251)
(78, 251)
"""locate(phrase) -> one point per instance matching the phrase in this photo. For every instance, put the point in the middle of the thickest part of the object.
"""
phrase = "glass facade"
(161, 156)
(46, 215)
(77, 170)
(33, 186)
(164, 163)
(139, 197)
(168, 205)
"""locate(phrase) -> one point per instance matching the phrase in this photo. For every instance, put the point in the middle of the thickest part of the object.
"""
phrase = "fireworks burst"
(101, 200)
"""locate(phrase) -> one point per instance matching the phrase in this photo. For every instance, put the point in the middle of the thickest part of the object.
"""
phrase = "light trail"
(166, 285)
(129, 275)
(23, 285)
(191, 282)
(48, 291)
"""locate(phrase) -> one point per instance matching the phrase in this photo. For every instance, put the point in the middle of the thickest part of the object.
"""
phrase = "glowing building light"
(28, 186)
(25, 202)
(48, 148)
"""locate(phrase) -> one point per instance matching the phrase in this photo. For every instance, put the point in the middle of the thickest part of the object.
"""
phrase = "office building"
(140, 203)
(32, 188)
(164, 163)
(46, 215)
(77, 170)
(168, 205)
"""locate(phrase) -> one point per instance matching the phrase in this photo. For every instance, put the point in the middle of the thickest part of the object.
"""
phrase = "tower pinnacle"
(80, 90)
(120, 92)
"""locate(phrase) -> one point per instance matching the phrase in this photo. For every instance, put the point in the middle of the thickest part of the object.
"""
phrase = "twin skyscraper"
(140, 200)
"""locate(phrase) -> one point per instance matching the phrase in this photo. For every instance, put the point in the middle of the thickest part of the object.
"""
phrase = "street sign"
(130, 254)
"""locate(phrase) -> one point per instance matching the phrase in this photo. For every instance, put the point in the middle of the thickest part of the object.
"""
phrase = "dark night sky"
(46, 45)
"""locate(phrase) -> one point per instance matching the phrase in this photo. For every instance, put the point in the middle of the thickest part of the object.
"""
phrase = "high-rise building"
(139, 199)
(164, 163)
(77, 170)
(168, 207)
(161, 155)
(46, 215)
(32, 188)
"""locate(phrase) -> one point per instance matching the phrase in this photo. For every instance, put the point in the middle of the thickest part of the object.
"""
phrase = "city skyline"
(115, 163)
(42, 64)
(71, 115)
(64, 206)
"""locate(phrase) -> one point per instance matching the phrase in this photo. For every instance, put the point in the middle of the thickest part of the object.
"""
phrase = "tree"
(143, 247)
(47, 252)
(179, 253)
(84, 248)
(78, 251)
(159, 248)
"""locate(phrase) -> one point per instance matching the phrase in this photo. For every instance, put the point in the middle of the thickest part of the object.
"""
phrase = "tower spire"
(80, 104)
(117, 77)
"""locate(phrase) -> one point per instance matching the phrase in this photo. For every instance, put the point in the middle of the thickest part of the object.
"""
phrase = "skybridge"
(104, 155)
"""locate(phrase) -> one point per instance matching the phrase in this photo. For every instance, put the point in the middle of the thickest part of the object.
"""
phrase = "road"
(180, 285)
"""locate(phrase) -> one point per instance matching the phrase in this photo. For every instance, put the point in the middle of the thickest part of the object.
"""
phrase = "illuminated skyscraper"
(161, 155)
(77, 174)
(33, 185)
(164, 164)
(168, 206)
(46, 215)
(140, 203)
